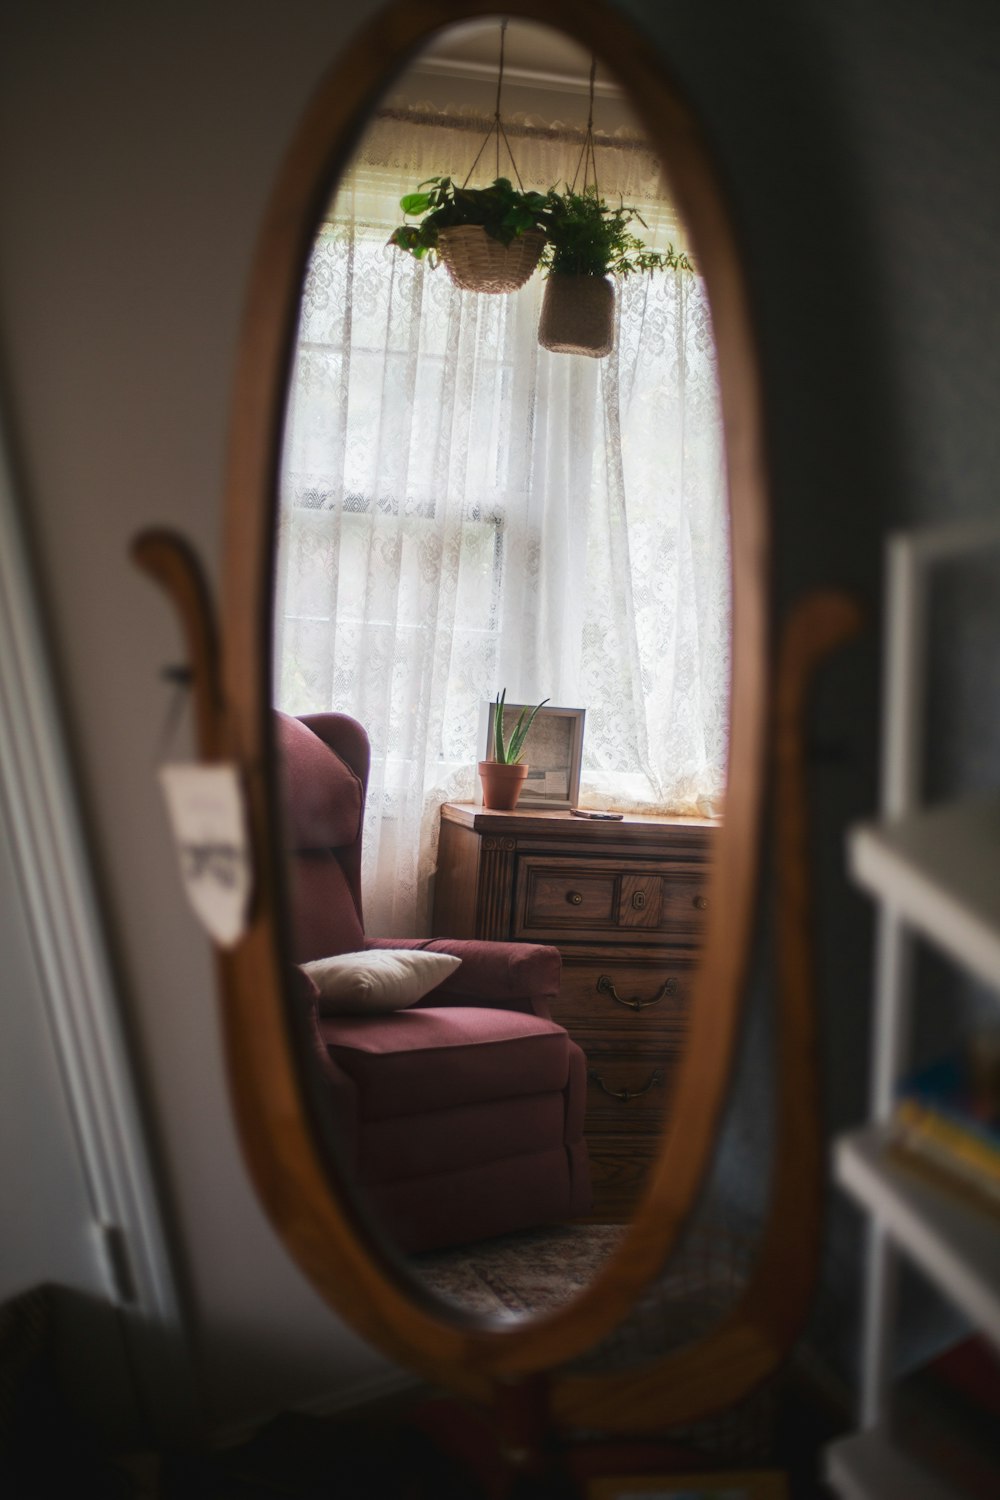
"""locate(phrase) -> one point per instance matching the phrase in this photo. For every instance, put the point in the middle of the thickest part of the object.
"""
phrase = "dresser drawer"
(626, 1091)
(638, 998)
(625, 904)
(565, 900)
(619, 1167)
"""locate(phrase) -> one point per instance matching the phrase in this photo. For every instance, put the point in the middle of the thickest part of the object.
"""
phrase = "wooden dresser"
(624, 902)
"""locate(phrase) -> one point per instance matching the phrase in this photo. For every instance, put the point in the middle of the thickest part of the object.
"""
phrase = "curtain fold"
(462, 511)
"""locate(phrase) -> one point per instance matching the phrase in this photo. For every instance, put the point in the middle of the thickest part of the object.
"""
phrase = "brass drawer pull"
(700, 903)
(606, 986)
(574, 898)
(654, 1081)
(639, 900)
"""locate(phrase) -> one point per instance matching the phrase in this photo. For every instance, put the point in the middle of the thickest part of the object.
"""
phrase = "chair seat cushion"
(454, 1140)
(430, 1059)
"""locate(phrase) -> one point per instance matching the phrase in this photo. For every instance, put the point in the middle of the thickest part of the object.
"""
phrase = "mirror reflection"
(501, 994)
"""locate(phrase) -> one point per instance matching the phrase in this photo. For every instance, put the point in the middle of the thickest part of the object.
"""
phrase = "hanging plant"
(490, 239)
(587, 244)
(585, 237)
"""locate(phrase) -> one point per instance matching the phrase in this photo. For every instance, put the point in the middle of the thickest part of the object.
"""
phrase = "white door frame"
(53, 872)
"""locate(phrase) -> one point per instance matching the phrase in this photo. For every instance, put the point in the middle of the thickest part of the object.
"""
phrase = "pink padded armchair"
(461, 1116)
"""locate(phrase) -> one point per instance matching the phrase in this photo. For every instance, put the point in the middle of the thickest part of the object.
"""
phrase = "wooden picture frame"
(553, 750)
(745, 1484)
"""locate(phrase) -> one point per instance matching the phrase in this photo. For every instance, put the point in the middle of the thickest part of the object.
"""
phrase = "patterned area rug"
(519, 1274)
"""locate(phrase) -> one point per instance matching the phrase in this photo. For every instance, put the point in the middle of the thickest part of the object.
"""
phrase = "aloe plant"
(510, 753)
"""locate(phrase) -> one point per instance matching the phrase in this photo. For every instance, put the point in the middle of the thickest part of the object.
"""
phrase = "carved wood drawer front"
(626, 905)
(570, 896)
(570, 900)
(626, 1089)
(619, 1166)
(683, 903)
(633, 999)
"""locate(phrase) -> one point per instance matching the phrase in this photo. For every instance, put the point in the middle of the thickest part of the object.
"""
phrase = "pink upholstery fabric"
(325, 919)
(500, 975)
(323, 797)
(450, 1140)
(581, 1190)
(576, 1095)
(324, 808)
(418, 1060)
(341, 1093)
(517, 1192)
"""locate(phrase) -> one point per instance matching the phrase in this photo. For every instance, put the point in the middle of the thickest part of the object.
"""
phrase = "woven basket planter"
(578, 315)
(477, 263)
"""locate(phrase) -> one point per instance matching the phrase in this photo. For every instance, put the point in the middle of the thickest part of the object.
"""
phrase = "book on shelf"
(948, 1115)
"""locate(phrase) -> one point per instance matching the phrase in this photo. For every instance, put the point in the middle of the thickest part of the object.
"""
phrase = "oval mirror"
(362, 560)
(459, 508)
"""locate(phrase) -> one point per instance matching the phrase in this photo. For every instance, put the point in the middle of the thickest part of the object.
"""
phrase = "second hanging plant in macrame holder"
(588, 244)
(490, 239)
(578, 305)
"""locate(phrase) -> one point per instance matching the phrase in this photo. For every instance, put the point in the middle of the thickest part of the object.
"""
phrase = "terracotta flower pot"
(578, 315)
(501, 784)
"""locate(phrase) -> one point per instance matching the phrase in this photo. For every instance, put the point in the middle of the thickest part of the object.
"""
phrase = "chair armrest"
(339, 1090)
(502, 976)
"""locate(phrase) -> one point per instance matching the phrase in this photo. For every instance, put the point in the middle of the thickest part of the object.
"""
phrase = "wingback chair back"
(324, 760)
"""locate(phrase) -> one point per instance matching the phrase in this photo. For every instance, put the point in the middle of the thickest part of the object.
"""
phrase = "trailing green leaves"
(585, 237)
(501, 210)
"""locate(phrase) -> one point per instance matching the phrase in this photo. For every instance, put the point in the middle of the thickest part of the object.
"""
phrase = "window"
(463, 511)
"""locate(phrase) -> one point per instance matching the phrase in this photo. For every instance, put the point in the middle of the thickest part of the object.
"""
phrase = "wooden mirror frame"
(311, 1205)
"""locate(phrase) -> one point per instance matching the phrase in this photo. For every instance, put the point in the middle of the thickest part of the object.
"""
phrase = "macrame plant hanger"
(587, 159)
(578, 311)
(496, 129)
(476, 261)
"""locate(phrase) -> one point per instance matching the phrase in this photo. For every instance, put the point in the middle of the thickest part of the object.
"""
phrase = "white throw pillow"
(383, 979)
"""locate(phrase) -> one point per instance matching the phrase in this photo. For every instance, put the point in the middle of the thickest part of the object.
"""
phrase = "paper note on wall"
(208, 816)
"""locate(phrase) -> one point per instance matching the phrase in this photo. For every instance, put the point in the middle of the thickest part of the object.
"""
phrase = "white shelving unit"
(934, 871)
(870, 1464)
(953, 1241)
(941, 869)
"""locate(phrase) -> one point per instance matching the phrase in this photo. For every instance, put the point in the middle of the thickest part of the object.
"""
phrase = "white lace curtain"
(463, 511)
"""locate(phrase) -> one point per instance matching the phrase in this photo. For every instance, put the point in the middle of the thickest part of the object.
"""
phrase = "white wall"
(138, 144)
(49, 1242)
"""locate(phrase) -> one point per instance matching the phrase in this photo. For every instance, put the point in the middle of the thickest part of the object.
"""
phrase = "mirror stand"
(521, 1373)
